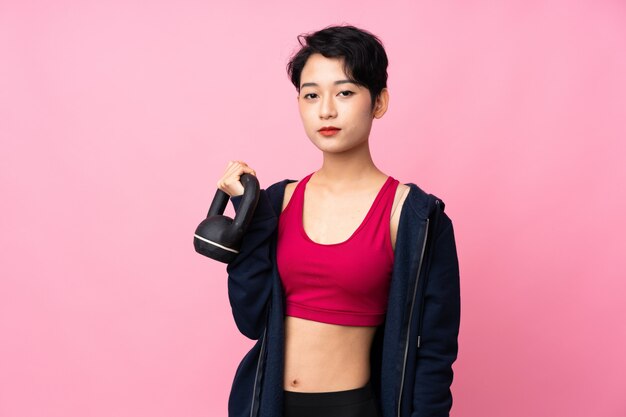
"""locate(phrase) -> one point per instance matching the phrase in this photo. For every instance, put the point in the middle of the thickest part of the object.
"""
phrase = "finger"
(248, 170)
(238, 169)
(233, 168)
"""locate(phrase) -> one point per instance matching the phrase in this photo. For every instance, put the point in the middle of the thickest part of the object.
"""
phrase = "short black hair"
(365, 60)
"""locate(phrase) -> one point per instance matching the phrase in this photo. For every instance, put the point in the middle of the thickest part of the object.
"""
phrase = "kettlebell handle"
(248, 202)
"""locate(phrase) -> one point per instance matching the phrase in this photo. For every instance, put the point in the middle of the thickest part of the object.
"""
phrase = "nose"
(327, 108)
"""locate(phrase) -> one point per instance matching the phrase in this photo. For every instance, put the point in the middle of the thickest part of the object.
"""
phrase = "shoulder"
(289, 189)
(423, 209)
(276, 192)
(420, 206)
(401, 192)
(398, 201)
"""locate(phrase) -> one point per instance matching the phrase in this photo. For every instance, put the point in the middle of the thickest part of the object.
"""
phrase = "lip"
(329, 130)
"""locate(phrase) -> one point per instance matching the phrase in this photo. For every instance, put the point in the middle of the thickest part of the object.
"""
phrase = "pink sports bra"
(341, 283)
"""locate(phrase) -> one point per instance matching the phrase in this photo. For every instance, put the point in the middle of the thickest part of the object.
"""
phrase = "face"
(327, 99)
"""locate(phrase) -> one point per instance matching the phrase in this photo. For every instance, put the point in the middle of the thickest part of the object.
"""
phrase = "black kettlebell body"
(219, 237)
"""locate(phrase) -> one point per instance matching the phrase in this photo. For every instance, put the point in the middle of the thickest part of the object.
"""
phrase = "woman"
(347, 279)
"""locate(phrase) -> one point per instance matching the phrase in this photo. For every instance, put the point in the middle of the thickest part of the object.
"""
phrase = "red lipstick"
(329, 130)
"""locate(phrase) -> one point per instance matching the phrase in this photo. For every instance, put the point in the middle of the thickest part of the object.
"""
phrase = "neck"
(347, 168)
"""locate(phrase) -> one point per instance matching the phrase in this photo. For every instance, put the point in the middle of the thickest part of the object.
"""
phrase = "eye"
(346, 93)
(310, 96)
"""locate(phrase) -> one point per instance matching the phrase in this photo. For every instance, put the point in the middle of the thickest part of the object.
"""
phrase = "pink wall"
(117, 118)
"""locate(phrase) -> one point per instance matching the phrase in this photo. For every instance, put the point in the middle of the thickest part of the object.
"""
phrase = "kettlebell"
(219, 237)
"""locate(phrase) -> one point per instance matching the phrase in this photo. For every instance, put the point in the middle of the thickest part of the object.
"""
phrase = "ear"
(382, 102)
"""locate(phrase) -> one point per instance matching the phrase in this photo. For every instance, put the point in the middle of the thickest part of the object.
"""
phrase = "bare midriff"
(323, 357)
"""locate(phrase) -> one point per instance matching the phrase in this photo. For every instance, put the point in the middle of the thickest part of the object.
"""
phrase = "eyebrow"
(336, 83)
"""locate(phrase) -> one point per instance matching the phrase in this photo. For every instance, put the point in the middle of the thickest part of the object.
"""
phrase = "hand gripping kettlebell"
(219, 237)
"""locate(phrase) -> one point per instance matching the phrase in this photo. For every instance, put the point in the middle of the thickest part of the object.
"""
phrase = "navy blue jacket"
(413, 351)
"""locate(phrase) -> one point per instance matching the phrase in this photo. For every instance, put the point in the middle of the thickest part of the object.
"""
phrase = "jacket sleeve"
(438, 349)
(250, 273)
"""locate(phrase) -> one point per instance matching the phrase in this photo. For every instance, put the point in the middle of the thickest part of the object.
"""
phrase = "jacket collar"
(421, 202)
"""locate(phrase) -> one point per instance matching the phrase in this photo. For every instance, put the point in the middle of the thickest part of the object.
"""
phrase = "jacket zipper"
(408, 331)
(256, 375)
(258, 365)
